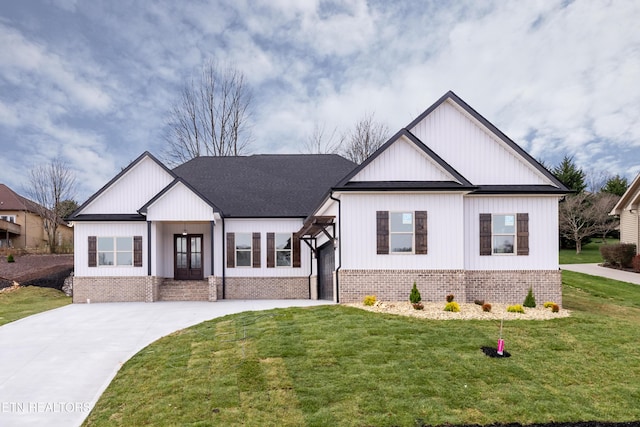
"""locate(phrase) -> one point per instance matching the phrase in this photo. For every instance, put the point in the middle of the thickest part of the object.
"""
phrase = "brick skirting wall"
(265, 288)
(116, 289)
(507, 287)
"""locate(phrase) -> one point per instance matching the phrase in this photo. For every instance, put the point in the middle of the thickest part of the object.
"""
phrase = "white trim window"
(115, 251)
(244, 249)
(503, 239)
(401, 231)
(8, 218)
(283, 249)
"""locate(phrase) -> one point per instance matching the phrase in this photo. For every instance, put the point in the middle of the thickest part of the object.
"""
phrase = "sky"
(91, 82)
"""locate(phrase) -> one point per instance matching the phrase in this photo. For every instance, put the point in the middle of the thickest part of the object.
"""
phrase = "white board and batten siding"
(472, 150)
(264, 226)
(543, 232)
(402, 161)
(445, 237)
(180, 204)
(82, 230)
(132, 190)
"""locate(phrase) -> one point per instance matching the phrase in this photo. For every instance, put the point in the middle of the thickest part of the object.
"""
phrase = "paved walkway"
(610, 273)
(55, 365)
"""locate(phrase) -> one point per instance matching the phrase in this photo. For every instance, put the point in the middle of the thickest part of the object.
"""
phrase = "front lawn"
(335, 365)
(28, 300)
(590, 253)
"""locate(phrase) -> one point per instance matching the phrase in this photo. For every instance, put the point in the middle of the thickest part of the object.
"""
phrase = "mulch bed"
(493, 352)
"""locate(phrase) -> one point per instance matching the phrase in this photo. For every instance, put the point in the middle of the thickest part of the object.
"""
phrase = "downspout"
(224, 258)
(339, 247)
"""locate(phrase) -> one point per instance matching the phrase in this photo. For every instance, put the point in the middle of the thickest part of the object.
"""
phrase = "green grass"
(29, 300)
(590, 253)
(335, 365)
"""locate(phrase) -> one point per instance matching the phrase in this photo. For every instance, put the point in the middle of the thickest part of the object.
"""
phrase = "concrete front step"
(184, 290)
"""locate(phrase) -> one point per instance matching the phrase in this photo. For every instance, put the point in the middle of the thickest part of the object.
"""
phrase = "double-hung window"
(401, 232)
(115, 251)
(504, 233)
(243, 249)
(283, 249)
(8, 218)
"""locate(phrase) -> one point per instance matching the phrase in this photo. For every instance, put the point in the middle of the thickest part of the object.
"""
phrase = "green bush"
(486, 307)
(618, 255)
(450, 298)
(530, 300)
(515, 309)
(452, 306)
(549, 304)
(369, 300)
(10, 258)
(415, 297)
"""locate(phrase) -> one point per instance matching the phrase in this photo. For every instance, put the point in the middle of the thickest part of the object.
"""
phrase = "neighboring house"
(449, 202)
(21, 225)
(627, 208)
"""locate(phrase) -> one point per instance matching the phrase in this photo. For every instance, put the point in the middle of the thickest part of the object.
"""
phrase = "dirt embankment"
(38, 270)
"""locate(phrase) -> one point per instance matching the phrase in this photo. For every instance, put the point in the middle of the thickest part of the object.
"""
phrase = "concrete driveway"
(55, 365)
(597, 270)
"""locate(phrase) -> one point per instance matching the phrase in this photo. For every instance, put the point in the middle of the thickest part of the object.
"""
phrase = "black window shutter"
(256, 250)
(382, 232)
(93, 251)
(523, 233)
(296, 251)
(485, 234)
(271, 250)
(231, 250)
(137, 251)
(421, 232)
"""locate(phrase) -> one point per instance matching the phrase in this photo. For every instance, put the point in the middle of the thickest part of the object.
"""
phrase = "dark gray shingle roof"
(265, 185)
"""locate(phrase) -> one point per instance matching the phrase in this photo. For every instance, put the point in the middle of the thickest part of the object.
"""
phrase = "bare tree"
(596, 180)
(211, 117)
(321, 142)
(364, 139)
(49, 185)
(585, 215)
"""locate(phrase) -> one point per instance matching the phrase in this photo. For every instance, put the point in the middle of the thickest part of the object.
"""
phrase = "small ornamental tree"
(415, 297)
(530, 300)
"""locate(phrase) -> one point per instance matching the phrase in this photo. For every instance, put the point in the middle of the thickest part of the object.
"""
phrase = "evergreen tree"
(616, 185)
(570, 175)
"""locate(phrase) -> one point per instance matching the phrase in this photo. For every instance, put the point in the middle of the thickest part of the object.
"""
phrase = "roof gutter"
(339, 246)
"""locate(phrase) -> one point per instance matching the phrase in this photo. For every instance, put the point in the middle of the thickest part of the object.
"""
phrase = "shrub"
(618, 255)
(635, 263)
(530, 300)
(414, 296)
(10, 258)
(479, 302)
(486, 307)
(452, 306)
(555, 308)
(549, 304)
(515, 309)
(369, 300)
(450, 298)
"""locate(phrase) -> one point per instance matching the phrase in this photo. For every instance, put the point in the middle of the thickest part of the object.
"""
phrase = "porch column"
(148, 248)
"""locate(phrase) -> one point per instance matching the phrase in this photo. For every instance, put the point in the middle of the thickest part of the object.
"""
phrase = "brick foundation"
(507, 287)
(265, 288)
(116, 289)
